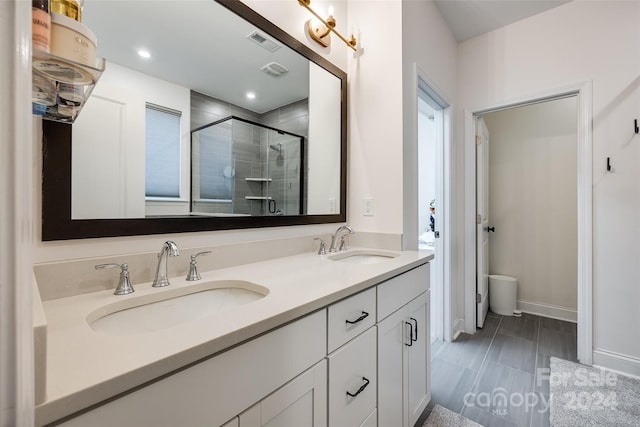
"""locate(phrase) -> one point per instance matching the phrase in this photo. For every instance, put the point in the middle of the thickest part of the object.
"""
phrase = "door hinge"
(478, 140)
(436, 234)
(478, 219)
(478, 298)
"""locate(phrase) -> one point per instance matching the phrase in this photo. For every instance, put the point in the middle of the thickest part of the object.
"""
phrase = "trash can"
(503, 291)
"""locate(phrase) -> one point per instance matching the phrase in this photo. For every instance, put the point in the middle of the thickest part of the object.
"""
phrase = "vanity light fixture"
(320, 29)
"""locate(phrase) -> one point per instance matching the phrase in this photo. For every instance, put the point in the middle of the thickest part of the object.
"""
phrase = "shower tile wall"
(205, 110)
(251, 151)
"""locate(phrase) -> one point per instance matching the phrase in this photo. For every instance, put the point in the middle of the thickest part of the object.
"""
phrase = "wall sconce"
(320, 29)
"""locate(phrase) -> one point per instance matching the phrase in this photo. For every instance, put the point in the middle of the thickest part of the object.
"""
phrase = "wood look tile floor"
(499, 376)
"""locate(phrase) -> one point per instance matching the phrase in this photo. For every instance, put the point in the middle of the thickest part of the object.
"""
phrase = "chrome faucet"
(334, 238)
(169, 248)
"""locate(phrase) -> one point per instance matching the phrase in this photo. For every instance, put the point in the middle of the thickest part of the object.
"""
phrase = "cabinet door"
(393, 337)
(417, 369)
(403, 357)
(300, 403)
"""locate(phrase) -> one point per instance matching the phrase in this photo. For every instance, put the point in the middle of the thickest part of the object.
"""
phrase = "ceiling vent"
(274, 69)
(262, 40)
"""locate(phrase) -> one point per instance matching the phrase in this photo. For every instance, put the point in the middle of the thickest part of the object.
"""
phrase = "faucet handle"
(322, 250)
(343, 243)
(193, 267)
(124, 285)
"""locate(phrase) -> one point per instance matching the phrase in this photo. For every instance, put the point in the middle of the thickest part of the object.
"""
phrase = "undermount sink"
(363, 256)
(162, 310)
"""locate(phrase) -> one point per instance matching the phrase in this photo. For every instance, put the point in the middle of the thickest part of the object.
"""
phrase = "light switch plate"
(367, 209)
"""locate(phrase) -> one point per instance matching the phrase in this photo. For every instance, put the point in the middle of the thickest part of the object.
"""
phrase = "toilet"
(503, 291)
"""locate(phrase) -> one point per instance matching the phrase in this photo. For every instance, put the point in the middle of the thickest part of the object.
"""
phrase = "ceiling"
(470, 18)
(200, 45)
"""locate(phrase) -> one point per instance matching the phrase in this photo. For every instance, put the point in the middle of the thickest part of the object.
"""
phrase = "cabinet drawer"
(352, 369)
(398, 291)
(350, 317)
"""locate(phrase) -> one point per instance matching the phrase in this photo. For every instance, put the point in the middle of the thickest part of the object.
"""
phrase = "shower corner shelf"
(258, 198)
(258, 179)
(55, 70)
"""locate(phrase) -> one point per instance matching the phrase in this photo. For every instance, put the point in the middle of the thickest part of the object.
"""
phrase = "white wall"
(576, 42)
(429, 46)
(533, 201)
(375, 117)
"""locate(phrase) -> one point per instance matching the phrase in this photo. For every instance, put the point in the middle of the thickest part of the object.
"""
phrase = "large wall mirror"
(207, 117)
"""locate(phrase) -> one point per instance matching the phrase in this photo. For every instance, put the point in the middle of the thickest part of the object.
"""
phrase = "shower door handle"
(272, 206)
(491, 229)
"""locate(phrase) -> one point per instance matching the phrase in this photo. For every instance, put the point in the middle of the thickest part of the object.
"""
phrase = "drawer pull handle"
(411, 339)
(361, 389)
(359, 319)
(414, 338)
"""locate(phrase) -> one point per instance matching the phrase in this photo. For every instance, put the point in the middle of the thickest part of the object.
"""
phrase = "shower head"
(277, 147)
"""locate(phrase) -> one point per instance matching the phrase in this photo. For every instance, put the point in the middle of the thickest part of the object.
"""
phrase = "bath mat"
(584, 396)
(442, 417)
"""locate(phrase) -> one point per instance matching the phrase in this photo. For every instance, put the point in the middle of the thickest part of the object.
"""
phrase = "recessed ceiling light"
(251, 95)
(144, 53)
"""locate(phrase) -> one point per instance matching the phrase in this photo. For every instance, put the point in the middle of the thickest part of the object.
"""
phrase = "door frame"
(583, 93)
(443, 293)
(482, 213)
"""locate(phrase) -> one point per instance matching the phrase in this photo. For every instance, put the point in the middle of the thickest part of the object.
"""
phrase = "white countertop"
(85, 367)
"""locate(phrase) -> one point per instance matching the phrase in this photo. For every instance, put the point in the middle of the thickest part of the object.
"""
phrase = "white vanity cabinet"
(403, 348)
(359, 362)
(216, 390)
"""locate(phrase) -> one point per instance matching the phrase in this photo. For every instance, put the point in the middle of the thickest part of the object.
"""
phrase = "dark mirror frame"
(56, 172)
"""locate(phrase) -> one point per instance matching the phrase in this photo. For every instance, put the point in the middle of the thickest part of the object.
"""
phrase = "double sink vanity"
(335, 340)
(268, 332)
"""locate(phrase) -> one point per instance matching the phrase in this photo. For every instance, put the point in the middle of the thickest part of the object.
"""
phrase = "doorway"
(527, 200)
(433, 113)
(582, 159)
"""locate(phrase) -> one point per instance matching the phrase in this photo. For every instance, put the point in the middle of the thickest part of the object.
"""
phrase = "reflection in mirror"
(246, 168)
(264, 82)
(126, 165)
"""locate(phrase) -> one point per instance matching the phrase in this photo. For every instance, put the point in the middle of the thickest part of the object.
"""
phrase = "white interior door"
(431, 152)
(482, 221)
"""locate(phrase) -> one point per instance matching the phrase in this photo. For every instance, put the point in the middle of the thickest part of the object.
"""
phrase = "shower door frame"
(302, 167)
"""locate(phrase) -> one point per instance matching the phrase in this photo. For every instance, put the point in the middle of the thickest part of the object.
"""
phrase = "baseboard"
(458, 328)
(617, 362)
(548, 310)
